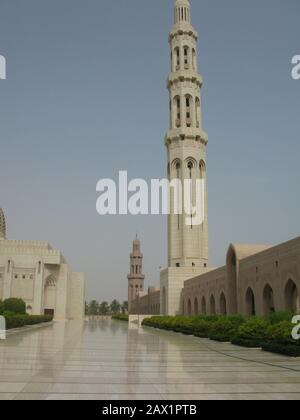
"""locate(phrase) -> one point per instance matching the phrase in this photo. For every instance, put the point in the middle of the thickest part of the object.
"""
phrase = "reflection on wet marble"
(106, 360)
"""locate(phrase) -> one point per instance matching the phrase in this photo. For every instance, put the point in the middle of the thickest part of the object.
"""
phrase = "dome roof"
(2, 225)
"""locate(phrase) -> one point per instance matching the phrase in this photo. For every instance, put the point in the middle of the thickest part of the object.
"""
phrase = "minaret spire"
(2, 225)
(182, 11)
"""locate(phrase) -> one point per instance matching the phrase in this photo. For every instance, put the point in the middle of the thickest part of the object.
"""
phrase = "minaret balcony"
(185, 75)
(186, 134)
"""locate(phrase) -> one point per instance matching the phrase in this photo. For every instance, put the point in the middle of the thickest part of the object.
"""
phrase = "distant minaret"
(2, 225)
(136, 276)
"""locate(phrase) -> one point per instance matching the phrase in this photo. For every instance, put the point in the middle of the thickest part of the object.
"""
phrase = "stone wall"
(256, 279)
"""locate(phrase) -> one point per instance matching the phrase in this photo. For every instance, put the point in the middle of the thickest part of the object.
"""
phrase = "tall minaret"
(186, 141)
(136, 276)
(186, 149)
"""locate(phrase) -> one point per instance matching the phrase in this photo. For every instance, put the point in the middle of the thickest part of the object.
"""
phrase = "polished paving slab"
(103, 359)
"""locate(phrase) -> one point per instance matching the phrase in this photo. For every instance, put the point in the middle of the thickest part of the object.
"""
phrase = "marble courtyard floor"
(105, 360)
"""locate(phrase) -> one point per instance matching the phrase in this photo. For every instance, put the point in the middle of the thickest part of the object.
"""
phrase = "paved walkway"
(105, 360)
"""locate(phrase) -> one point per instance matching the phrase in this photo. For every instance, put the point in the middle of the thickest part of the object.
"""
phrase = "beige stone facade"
(147, 303)
(38, 274)
(256, 280)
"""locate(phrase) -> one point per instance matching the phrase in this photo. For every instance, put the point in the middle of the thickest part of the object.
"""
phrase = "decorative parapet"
(184, 76)
(40, 249)
(183, 29)
(181, 134)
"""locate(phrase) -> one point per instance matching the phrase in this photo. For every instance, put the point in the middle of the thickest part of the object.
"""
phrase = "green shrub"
(285, 349)
(272, 333)
(121, 317)
(225, 328)
(14, 305)
(282, 333)
(243, 342)
(1, 307)
(254, 329)
(276, 317)
(19, 320)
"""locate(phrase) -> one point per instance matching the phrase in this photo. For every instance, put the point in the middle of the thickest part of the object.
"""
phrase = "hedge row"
(272, 333)
(14, 305)
(18, 320)
(120, 317)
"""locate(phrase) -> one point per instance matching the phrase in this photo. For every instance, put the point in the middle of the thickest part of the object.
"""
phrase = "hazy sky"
(85, 97)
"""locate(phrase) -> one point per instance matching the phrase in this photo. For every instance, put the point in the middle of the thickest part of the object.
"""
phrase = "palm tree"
(93, 307)
(115, 307)
(103, 308)
(124, 307)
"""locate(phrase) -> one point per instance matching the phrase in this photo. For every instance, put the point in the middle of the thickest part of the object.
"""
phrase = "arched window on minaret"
(177, 108)
(202, 169)
(176, 59)
(188, 105)
(197, 102)
(194, 59)
(176, 174)
(186, 52)
(190, 168)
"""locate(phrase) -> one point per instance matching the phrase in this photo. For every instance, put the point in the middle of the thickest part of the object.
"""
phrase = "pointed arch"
(203, 306)
(177, 111)
(176, 59)
(250, 302)
(188, 110)
(194, 59)
(291, 295)
(191, 162)
(197, 111)
(50, 291)
(212, 305)
(186, 57)
(196, 306)
(223, 304)
(202, 168)
(189, 307)
(176, 164)
(268, 299)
